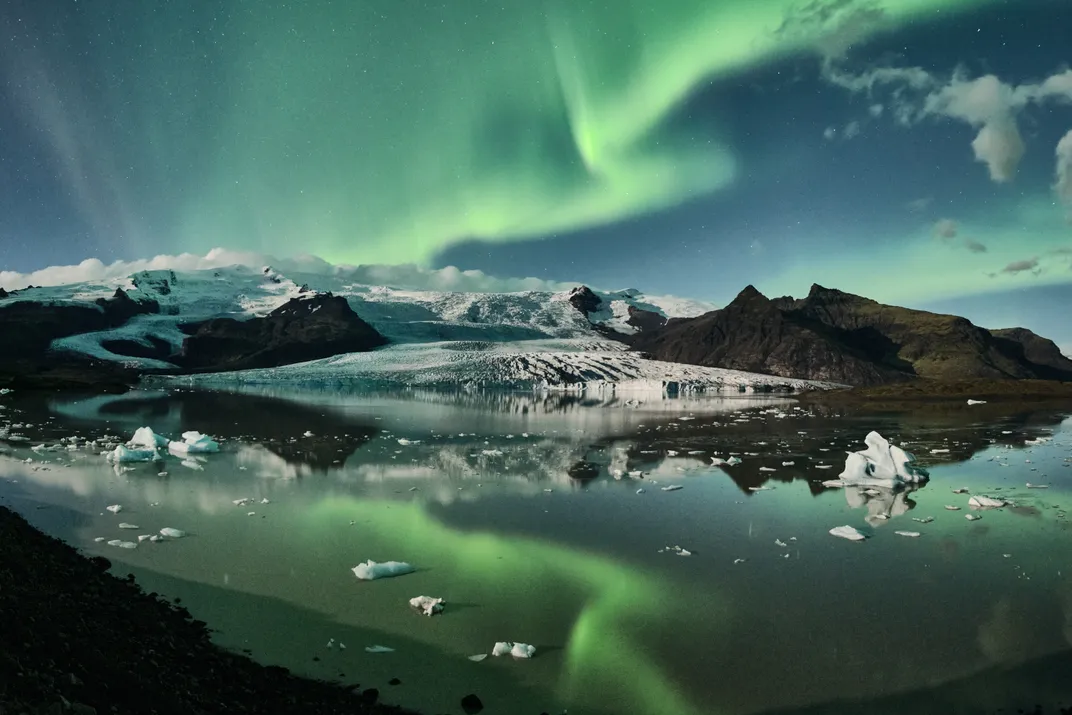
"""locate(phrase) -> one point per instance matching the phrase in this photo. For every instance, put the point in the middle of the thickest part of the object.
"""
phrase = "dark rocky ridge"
(587, 302)
(27, 329)
(76, 639)
(840, 337)
(306, 328)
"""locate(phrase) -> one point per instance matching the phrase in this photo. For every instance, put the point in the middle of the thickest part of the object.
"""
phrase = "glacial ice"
(193, 443)
(881, 465)
(981, 502)
(427, 605)
(370, 570)
(847, 532)
(518, 650)
(172, 532)
(123, 455)
(145, 438)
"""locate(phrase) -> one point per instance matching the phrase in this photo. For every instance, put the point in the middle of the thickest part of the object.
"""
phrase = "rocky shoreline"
(76, 639)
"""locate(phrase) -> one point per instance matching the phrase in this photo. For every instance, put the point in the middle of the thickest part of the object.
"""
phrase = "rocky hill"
(840, 337)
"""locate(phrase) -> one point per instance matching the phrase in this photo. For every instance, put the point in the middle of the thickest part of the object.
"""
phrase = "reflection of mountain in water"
(279, 426)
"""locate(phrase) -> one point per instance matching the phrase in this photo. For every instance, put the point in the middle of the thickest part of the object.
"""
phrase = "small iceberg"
(910, 534)
(145, 438)
(370, 570)
(427, 605)
(378, 649)
(881, 465)
(173, 533)
(847, 532)
(981, 502)
(478, 657)
(123, 455)
(125, 525)
(115, 508)
(976, 402)
(193, 443)
(518, 650)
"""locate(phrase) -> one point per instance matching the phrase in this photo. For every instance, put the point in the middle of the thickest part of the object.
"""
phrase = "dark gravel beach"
(74, 638)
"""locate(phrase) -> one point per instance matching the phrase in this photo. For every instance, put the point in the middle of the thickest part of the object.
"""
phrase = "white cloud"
(987, 103)
(1063, 187)
(406, 276)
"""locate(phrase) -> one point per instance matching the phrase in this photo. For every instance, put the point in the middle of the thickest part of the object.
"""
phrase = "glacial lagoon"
(544, 519)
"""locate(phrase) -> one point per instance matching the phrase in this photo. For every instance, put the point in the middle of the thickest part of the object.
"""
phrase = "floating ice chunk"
(370, 570)
(640, 491)
(881, 464)
(518, 650)
(115, 508)
(1037, 486)
(173, 533)
(193, 443)
(378, 649)
(976, 402)
(951, 507)
(193, 464)
(427, 605)
(962, 490)
(123, 544)
(847, 532)
(125, 525)
(671, 488)
(478, 657)
(145, 438)
(913, 534)
(123, 455)
(99, 539)
(972, 517)
(733, 461)
(834, 483)
(788, 464)
(492, 453)
(923, 520)
(981, 502)
(407, 442)
(766, 469)
(143, 537)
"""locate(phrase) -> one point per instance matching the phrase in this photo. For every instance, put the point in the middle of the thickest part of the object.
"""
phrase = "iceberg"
(122, 455)
(145, 438)
(981, 502)
(193, 443)
(518, 650)
(881, 465)
(370, 570)
(847, 532)
(173, 533)
(427, 605)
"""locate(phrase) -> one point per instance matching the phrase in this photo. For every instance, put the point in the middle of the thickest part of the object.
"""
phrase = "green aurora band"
(606, 664)
(384, 130)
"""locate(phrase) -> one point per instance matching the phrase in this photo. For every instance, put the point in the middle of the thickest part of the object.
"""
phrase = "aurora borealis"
(657, 143)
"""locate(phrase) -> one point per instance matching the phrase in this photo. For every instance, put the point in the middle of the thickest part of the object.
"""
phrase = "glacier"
(525, 340)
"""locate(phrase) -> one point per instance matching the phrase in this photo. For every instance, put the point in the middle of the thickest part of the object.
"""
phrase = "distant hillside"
(840, 337)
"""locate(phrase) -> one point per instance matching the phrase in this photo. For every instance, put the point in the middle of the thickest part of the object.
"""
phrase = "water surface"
(520, 511)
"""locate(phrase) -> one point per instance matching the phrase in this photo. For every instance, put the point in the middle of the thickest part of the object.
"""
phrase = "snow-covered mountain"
(437, 338)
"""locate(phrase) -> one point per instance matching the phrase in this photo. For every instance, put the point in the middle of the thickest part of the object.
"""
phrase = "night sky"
(914, 151)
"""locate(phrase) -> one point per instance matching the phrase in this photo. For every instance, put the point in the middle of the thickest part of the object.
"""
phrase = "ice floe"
(847, 532)
(193, 443)
(427, 605)
(371, 570)
(172, 532)
(882, 465)
(518, 650)
(982, 502)
(378, 649)
(115, 508)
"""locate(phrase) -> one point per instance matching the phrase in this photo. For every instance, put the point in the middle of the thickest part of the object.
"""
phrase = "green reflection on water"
(606, 661)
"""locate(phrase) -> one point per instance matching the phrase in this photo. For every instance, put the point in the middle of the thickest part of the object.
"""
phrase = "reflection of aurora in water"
(621, 628)
(606, 656)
